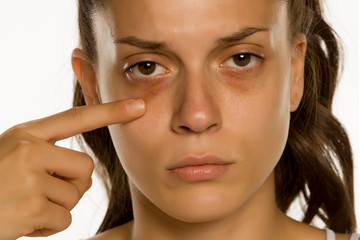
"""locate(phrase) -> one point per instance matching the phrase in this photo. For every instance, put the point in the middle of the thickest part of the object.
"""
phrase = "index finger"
(85, 118)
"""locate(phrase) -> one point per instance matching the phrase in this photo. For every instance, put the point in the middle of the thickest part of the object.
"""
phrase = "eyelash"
(138, 76)
(134, 70)
(250, 65)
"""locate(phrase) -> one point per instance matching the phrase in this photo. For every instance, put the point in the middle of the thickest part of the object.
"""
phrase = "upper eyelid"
(235, 49)
(260, 57)
(133, 65)
(130, 65)
(165, 59)
(251, 48)
(255, 53)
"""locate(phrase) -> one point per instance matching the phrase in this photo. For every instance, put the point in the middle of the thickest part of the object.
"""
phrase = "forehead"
(156, 19)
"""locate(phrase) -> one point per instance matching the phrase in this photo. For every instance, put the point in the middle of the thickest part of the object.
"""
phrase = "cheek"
(140, 143)
(263, 124)
(143, 143)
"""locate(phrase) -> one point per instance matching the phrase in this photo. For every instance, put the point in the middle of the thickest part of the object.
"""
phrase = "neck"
(258, 218)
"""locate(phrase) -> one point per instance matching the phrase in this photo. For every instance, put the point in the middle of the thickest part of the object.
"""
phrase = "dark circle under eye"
(242, 60)
(147, 68)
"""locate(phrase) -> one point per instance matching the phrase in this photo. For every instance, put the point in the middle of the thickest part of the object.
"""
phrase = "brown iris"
(147, 68)
(242, 60)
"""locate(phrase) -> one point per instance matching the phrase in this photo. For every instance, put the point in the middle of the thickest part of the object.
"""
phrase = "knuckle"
(89, 184)
(37, 204)
(43, 232)
(19, 129)
(25, 151)
(73, 198)
(24, 147)
(75, 116)
(123, 108)
(89, 164)
(30, 181)
(13, 134)
(62, 218)
(65, 221)
(33, 206)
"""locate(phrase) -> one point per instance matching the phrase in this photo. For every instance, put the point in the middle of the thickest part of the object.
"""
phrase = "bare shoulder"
(342, 236)
(300, 231)
(122, 232)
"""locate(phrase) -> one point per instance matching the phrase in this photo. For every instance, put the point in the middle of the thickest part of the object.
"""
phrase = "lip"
(197, 160)
(200, 168)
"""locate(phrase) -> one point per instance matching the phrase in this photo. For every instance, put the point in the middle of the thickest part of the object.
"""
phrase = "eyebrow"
(241, 35)
(140, 43)
(155, 45)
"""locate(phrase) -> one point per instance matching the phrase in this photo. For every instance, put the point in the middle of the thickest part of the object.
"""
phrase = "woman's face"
(219, 79)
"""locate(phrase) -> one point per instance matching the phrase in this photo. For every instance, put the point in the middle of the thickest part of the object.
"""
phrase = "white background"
(36, 40)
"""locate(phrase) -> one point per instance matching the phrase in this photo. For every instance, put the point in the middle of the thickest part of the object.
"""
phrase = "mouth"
(200, 168)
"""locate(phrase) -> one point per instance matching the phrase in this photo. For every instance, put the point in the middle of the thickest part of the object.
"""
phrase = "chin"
(204, 205)
(204, 214)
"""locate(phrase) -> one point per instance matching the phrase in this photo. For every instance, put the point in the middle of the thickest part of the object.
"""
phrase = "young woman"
(218, 114)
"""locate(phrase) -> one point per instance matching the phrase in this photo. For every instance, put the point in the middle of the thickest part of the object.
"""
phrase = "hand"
(41, 182)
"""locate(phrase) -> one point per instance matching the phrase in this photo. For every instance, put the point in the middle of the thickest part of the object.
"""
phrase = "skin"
(40, 182)
(198, 104)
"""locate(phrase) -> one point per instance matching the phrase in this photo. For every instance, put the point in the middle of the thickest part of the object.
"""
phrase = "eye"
(147, 69)
(242, 60)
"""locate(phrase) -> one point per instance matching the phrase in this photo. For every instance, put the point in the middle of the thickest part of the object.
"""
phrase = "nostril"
(185, 129)
(213, 127)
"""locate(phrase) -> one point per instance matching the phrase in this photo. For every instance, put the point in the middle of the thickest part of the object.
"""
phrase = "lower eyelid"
(242, 69)
(155, 78)
(228, 70)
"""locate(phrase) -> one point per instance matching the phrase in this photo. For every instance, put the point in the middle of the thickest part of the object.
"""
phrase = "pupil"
(147, 68)
(242, 59)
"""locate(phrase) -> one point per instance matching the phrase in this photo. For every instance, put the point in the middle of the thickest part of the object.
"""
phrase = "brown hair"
(317, 161)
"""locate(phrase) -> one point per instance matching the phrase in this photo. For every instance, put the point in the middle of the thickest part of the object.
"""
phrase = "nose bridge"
(197, 92)
(197, 110)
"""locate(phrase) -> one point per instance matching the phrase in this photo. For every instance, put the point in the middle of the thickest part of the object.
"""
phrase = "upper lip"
(198, 160)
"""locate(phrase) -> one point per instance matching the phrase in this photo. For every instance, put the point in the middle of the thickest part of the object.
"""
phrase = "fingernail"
(135, 106)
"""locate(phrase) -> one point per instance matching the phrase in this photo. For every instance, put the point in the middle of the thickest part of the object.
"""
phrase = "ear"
(297, 70)
(86, 76)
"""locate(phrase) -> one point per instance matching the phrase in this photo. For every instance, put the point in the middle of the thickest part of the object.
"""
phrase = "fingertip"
(135, 106)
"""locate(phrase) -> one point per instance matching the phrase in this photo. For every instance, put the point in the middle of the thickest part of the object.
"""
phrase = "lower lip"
(200, 172)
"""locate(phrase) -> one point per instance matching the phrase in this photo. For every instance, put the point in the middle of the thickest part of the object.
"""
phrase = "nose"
(196, 108)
